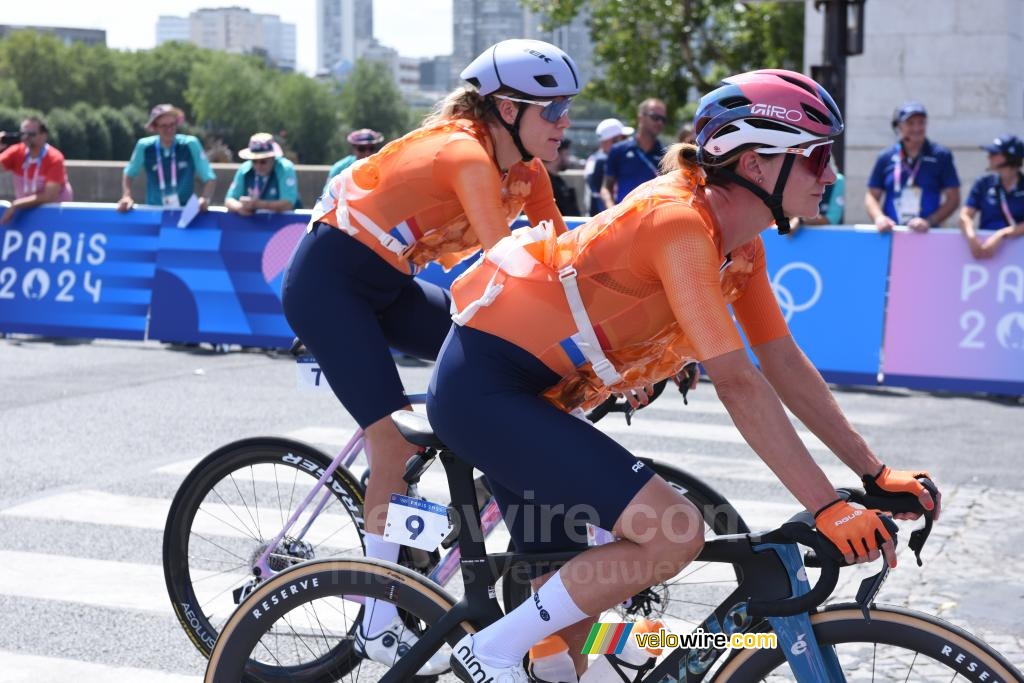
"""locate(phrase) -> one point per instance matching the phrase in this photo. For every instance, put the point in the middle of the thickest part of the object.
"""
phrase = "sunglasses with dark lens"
(364, 148)
(816, 156)
(658, 118)
(266, 160)
(551, 110)
(29, 133)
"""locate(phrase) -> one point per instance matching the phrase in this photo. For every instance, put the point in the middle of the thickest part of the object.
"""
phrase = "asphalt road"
(81, 591)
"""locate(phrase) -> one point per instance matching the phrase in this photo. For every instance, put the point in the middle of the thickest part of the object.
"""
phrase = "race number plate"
(416, 522)
(310, 377)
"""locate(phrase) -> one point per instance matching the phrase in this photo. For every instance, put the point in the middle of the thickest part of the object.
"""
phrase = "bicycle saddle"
(415, 428)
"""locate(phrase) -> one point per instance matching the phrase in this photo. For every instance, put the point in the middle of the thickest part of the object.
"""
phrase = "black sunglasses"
(656, 117)
(364, 148)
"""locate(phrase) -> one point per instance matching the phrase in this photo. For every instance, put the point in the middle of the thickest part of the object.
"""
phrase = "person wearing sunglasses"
(547, 324)
(363, 142)
(436, 195)
(635, 160)
(37, 167)
(265, 180)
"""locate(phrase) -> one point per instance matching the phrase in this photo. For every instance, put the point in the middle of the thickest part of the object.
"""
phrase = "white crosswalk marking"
(21, 668)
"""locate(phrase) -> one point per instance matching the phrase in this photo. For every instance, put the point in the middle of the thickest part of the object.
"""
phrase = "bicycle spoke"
(244, 530)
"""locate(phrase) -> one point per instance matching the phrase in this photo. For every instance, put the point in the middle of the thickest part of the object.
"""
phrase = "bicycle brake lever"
(869, 588)
(627, 412)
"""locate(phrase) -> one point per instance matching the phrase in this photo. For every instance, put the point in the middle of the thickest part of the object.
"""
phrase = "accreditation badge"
(908, 204)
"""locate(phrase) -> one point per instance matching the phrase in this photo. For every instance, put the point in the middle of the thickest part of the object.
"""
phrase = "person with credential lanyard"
(996, 201)
(265, 181)
(635, 160)
(547, 324)
(436, 195)
(171, 160)
(37, 166)
(915, 176)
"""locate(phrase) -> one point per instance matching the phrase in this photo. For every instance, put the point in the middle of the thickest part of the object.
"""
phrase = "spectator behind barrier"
(171, 160)
(686, 134)
(363, 142)
(915, 176)
(266, 180)
(636, 160)
(608, 132)
(830, 209)
(996, 201)
(565, 196)
(37, 166)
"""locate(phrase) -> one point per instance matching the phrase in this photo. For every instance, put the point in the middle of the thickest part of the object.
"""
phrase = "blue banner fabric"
(830, 283)
(70, 271)
(219, 280)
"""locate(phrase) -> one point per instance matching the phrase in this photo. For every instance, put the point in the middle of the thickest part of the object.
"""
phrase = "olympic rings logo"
(785, 297)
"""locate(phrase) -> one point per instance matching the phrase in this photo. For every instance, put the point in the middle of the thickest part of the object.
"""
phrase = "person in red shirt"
(38, 168)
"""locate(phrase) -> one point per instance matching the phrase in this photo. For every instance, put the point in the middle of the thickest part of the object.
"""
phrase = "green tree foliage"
(231, 97)
(39, 66)
(370, 99)
(307, 117)
(10, 95)
(96, 134)
(122, 135)
(163, 74)
(68, 133)
(655, 48)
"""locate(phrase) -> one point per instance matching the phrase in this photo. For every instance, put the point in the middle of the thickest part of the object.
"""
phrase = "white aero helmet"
(531, 67)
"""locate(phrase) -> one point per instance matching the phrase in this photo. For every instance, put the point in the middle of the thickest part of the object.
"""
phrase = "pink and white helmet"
(763, 108)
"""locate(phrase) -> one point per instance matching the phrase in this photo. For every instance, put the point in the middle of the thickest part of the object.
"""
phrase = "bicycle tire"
(420, 601)
(199, 585)
(686, 599)
(895, 645)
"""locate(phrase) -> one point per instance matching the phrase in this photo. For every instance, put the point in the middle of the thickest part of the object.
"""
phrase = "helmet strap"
(774, 200)
(512, 128)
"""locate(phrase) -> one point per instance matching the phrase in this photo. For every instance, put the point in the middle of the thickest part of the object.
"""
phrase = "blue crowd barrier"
(84, 270)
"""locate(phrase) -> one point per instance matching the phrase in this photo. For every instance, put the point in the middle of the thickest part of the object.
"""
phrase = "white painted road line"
(22, 668)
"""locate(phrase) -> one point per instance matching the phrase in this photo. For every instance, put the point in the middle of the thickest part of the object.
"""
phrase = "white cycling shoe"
(469, 669)
(393, 643)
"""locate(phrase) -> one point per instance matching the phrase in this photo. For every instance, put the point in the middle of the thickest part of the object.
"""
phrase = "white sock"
(378, 615)
(505, 642)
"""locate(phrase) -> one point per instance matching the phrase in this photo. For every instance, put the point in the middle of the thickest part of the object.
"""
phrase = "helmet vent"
(734, 102)
(474, 81)
(815, 115)
(797, 83)
(546, 81)
(766, 124)
(725, 130)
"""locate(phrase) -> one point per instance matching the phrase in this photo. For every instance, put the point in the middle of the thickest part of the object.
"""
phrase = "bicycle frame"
(768, 568)
(441, 573)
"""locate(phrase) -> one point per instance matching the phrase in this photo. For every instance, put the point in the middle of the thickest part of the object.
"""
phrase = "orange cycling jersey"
(433, 194)
(652, 278)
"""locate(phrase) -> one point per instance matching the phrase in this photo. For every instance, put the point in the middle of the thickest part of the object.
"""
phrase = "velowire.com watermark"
(610, 639)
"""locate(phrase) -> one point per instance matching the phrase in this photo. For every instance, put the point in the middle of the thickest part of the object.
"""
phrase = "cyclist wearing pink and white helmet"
(547, 323)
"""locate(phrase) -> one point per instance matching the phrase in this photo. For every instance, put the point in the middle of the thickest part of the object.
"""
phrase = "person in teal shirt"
(364, 142)
(172, 162)
(266, 180)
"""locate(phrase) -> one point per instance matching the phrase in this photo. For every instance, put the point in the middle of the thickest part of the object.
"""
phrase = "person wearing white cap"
(608, 132)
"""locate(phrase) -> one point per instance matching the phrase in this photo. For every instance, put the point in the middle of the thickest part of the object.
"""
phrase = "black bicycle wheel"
(895, 645)
(232, 504)
(683, 602)
(307, 613)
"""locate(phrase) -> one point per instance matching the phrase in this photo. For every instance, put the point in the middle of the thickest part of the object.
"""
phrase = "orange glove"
(901, 484)
(853, 531)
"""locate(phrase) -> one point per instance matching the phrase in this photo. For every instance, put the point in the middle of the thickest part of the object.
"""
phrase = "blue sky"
(416, 28)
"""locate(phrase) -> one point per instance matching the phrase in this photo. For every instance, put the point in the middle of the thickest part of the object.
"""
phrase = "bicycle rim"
(309, 612)
(230, 508)
(896, 645)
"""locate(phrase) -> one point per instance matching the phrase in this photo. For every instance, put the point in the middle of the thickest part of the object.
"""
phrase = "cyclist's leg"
(418, 321)
(484, 403)
(334, 291)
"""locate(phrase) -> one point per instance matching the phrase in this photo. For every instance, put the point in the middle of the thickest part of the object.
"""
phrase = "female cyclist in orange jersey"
(549, 323)
(437, 194)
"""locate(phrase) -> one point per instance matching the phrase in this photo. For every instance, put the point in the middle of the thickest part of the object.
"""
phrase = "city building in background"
(234, 29)
(344, 33)
(88, 36)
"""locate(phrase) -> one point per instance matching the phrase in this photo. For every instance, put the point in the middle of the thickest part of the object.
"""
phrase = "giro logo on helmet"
(539, 54)
(777, 112)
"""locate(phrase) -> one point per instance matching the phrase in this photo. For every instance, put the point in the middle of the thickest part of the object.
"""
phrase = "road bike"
(259, 506)
(296, 617)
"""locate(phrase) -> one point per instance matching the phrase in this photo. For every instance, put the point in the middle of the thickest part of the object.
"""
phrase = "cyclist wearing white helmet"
(435, 195)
